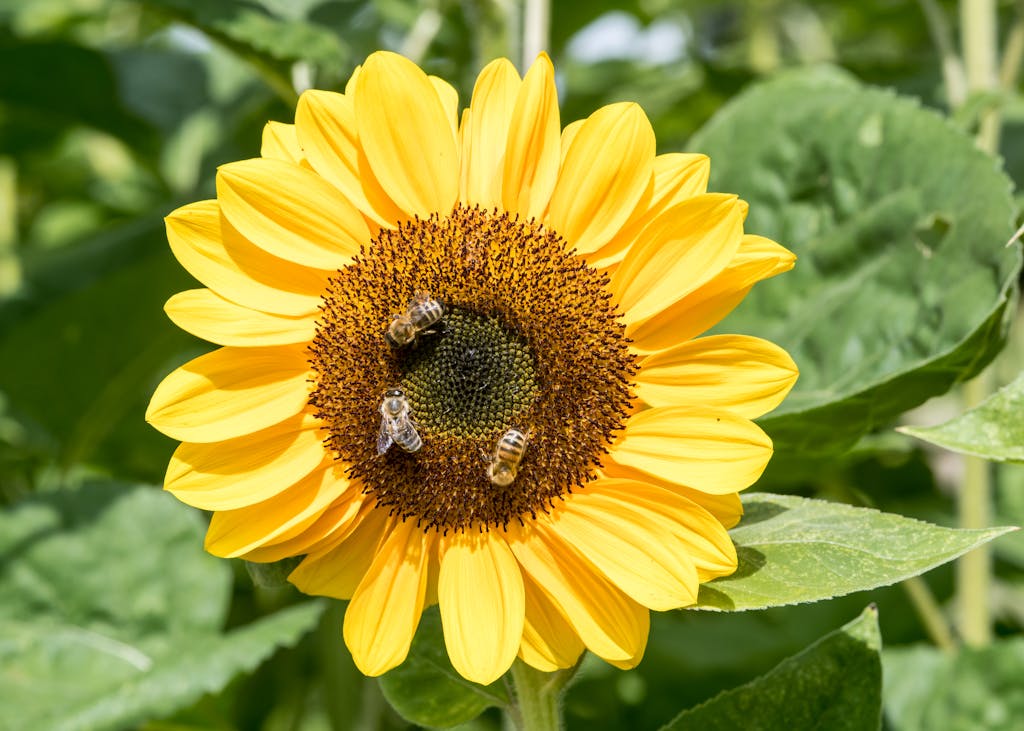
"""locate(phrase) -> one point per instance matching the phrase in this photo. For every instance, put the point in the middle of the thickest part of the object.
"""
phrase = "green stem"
(10, 266)
(1013, 53)
(496, 34)
(536, 29)
(980, 43)
(930, 612)
(537, 696)
(953, 74)
(763, 51)
(424, 29)
(974, 570)
(978, 22)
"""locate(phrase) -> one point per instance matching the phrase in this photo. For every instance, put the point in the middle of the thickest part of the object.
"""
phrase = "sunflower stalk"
(536, 29)
(974, 571)
(538, 697)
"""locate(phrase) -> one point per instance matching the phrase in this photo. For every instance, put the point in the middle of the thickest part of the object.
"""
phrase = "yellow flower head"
(459, 366)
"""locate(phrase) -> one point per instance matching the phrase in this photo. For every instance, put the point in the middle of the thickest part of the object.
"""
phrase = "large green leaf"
(900, 225)
(112, 612)
(836, 683)
(994, 430)
(970, 690)
(794, 550)
(428, 691)
(82, 364)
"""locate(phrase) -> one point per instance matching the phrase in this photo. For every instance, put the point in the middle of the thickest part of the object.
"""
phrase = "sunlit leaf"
(993, 430)
(271, 42)
(836, 683)
(112, 612)
(794, 550)
(427, 690)
(929, 690)
(900, 224)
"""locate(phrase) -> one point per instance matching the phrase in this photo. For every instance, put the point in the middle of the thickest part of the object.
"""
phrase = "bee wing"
(384, 440)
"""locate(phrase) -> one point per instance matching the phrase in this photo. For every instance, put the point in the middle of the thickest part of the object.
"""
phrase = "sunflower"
(511, 285)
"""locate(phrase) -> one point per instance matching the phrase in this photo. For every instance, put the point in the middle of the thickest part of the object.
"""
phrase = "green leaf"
(929, 690)
(112, 608)
(900, 224)
(272, 43)
(114, 332)
(272, 575)
(427, 690)
(794, 550)
(993, 430)
(80, 89)
(836, 683)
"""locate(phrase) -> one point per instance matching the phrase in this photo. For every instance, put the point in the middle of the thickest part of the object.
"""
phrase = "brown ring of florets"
(561, 369)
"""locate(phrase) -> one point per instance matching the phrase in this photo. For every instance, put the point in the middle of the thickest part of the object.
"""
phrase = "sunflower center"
(483, 324)
(470, 379)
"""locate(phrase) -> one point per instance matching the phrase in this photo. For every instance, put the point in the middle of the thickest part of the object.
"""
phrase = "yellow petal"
(291, 212)
(609, 623)
(239, 472)
(331, 527)
(727, 509)
(233, 533)
(281, 143)
(350, 85)
(606, 171)
(433, 572)
(494, 98)
(709, 449)
(406, 135)
(381, 619)
(338, 571)
(635, 552)
(549, 641)
(684, 527)
(532, 152)
(449, 101)
(678, 252)
(745, 375)
(326, 125)
(758, 258)
(568, 135)
(480, 590)
(231, 392)
(209, 316)
(221, 258)
(677, 177)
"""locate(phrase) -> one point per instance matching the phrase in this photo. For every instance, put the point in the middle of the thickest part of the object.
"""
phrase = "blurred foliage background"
(115, 112)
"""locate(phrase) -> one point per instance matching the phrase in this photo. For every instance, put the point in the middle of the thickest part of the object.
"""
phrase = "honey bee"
(504, 465)
(396, 426)
(422, 312)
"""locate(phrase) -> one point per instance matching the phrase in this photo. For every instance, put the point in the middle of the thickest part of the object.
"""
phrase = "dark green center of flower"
(470, 378)
(529, 340)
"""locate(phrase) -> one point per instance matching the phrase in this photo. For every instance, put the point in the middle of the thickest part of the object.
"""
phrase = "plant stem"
(537, 696)
(763, 52)
(953, 74)
(974, 570)
(978, 22)
(424, 29)
(1013, 53)
(981, 47)
(536, 29)
(930, 612)
(496, 29)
